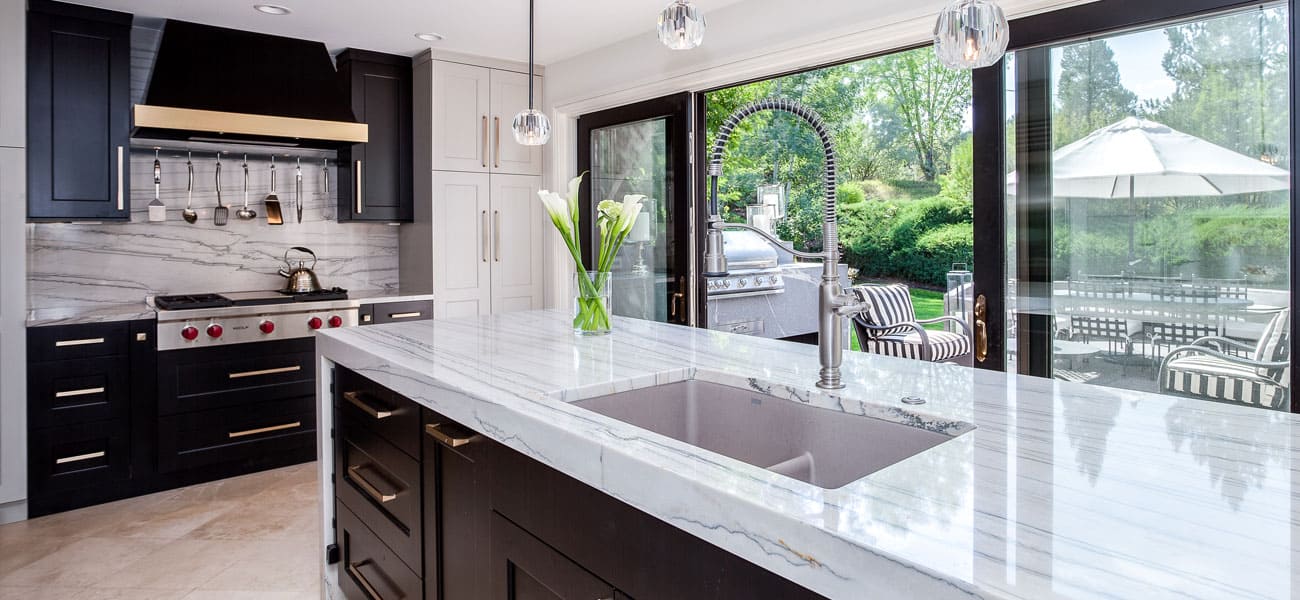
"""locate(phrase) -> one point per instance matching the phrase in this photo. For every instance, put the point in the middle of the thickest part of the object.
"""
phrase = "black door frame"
(677, 109)
(989, 96)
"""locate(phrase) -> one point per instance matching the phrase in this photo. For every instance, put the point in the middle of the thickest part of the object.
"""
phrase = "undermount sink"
(826, 448)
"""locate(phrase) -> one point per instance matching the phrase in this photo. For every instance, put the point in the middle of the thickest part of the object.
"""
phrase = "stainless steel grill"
(754, 267)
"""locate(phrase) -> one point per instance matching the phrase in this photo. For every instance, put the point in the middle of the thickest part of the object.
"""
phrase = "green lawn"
(928, 305)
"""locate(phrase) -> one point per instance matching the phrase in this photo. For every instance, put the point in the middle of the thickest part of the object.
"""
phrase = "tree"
(1090, 94)
(928, 100)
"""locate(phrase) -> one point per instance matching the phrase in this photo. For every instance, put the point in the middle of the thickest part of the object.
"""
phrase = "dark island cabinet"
(498, 525)
(78, 113)
(375, 178)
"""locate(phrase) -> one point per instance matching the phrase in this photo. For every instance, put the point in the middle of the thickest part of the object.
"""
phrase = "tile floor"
(247, 538)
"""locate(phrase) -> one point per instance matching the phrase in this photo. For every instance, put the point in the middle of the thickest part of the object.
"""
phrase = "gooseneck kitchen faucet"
(834, 303)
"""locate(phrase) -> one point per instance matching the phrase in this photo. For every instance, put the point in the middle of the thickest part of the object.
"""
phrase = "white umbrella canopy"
(1138, 158)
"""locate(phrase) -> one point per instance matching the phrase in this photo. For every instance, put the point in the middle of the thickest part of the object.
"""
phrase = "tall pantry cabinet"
(477, 237)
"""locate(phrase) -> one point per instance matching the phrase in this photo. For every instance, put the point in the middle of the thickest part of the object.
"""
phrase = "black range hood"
(213, 84)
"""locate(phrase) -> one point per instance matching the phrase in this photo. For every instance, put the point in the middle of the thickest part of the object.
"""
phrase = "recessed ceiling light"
(431, 37)
(272, 9)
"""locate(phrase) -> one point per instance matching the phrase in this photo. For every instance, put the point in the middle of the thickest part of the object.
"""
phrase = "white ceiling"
(494, 28)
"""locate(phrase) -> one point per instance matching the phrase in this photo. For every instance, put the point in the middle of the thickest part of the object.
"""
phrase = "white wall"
(13, 264)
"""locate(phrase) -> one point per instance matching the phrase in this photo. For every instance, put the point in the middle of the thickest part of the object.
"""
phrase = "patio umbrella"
(1138, 158)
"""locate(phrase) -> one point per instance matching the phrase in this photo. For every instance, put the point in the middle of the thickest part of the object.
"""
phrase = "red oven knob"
(336, 321)
(190, 333)
(314, 322)
(214, 330)
(266, 326)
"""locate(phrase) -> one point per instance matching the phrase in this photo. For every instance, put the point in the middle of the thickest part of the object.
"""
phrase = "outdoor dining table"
(1149, 307)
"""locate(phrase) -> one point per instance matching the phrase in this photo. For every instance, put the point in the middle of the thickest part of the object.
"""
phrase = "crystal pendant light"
(531, 126)
(681, 25)
(971, 34)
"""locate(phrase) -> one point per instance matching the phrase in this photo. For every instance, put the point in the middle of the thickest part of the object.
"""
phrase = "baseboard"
(11, 512)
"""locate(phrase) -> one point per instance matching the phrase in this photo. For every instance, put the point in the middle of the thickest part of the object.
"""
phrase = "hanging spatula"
(157, 210)
(272, 201)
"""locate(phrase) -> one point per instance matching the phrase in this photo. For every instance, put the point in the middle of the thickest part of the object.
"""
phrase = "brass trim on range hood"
(195, 120)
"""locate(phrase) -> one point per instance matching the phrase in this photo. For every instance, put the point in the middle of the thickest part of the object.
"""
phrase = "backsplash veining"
(84, 265)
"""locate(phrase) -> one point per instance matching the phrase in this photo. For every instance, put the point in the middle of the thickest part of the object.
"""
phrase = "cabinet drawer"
(364, 404)
(62, 342)
(62, 459)
(525, 568)
(393, 312)
(370, 570)
(263, 431)
(77, 391)
(191, 380)
(381, 484)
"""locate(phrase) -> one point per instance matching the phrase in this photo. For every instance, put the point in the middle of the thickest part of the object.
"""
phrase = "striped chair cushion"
(1274, 345)
(1210, 377)
(943, 345)
(886, 305)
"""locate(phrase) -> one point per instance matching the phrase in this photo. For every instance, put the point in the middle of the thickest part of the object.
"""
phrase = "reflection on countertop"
(1061, 491)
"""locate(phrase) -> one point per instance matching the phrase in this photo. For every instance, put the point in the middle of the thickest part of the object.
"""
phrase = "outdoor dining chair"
(1208, 368)
(889, 326)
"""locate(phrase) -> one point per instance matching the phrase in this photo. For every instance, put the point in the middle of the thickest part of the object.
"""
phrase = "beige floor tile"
(19, 551)
(247, 595)
(167, 520)
(129, 594)
(285, 565)
(38, 593)
(81, 563)
(257, 522)
(179, 565)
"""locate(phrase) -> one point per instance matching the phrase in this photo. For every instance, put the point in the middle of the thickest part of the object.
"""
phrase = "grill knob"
(266, 326)
(190, 333)
(726, 284)
(742, 283)
(772, 279)
(214, 331)
(314, 322)
(336, 321)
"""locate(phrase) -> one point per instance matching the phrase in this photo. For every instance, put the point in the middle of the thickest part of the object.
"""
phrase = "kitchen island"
(1046, 490)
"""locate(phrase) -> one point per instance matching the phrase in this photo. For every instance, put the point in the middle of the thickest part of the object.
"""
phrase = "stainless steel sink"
(826, 448)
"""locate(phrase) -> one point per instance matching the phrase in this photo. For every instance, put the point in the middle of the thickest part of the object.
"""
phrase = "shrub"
(850, 193)
(935, 252)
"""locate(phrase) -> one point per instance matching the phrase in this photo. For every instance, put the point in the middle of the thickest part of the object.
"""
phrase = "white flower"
(558, 209)
(628, 213)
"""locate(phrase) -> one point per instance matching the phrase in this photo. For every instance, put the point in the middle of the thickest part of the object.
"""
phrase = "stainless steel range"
(206, 320)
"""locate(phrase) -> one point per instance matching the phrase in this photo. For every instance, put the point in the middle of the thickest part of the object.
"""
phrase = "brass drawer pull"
(85, 342)
(485, 141)
(81, 392)
(78, 458)
(405, 315)
(354, 570)
(369, 488)
(355, 399)
(274, 371)
(247, 432)
(459, 436)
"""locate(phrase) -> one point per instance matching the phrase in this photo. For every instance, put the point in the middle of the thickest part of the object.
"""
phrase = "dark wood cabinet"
(457, 509)
(375, 178)
(525, 568)
(78, 113)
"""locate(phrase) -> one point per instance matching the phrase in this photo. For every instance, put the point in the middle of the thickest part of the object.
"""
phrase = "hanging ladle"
(246, 213)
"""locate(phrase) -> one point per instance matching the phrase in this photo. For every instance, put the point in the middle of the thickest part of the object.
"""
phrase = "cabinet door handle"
(355, 399)
(405, 315)
(121, 189)
(496, 158)
(274, 371)
(496, 235)
(248, 432)
(486, 235)
(354, 472)
(360, 208)
(456, 438)
(78, 458)
(81, 392)
(81, 342)
(354, 570)
(484, 153)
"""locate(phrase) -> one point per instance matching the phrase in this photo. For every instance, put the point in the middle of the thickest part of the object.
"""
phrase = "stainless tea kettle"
(301, 279)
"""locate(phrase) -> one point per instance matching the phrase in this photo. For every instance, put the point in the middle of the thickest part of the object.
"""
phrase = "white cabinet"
(509, 96)
(462, 253)
(473, 108)
(517, 225)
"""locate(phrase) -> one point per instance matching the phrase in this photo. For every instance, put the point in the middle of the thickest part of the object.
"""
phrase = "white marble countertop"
(1061, 490)
(130, 311)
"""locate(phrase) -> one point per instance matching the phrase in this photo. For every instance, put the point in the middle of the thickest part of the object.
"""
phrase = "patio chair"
(1208, 369)
(889, 326)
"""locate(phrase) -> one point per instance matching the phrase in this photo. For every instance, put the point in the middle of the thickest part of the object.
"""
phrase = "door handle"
(981, 329)
(360, 208)
(677, 298)
(456, 438)
(121, 191)
(496, 159)
(485, 142)
(496, 235)
(354, 569)
(354, 472)
(355, 399)
(486, 235)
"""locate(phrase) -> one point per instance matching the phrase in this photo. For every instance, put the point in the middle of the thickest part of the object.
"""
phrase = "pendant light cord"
(530, 54)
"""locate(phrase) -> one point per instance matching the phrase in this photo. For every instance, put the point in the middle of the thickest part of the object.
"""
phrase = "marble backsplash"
(88, 265)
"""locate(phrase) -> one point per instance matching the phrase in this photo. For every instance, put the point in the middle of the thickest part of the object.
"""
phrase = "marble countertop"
(130, 311)
(1061, 490)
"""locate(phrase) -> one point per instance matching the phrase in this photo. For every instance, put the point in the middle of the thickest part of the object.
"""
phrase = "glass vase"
(591, 306)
